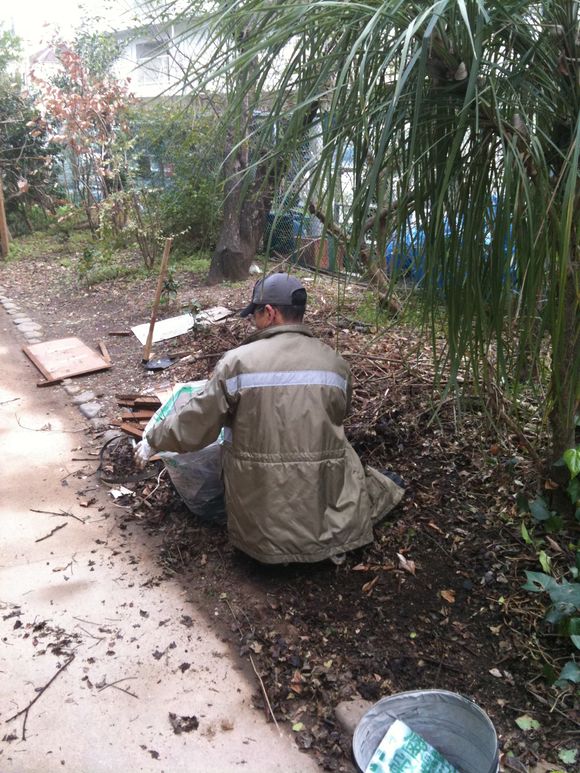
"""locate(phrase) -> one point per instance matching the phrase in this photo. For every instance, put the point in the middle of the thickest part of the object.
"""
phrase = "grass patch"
(195, 262)
(109, 271)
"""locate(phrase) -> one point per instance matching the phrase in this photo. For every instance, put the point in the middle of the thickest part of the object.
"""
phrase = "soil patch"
(434, 602)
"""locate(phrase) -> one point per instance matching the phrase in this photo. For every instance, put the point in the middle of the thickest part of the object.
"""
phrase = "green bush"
(564, 611)
(178, 154)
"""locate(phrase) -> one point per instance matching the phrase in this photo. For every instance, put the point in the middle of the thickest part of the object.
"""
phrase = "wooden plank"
(64, 358)
(147, 402)
(105, 352)
(132, 429)
(136, 415)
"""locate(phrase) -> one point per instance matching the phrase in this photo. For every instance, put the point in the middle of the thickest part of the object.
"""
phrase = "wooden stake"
(4, 235)
(162, 272)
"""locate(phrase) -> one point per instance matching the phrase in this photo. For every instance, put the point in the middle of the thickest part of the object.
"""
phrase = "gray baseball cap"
(278, 290)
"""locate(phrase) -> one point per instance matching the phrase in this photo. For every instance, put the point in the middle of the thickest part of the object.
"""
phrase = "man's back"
(294, 486)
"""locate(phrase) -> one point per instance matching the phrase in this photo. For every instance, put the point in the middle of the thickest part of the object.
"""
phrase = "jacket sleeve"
(198, 422)
(348, 387)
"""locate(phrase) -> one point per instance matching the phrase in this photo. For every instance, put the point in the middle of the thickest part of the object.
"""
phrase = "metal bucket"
(452, 724)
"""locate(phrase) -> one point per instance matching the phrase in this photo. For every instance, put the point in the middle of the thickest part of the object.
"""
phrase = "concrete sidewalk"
(83, 598)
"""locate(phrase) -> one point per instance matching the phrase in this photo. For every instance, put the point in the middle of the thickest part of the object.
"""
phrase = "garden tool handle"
(162, 272)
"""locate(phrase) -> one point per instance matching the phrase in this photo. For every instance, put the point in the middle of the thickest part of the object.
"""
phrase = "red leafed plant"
(86, 115)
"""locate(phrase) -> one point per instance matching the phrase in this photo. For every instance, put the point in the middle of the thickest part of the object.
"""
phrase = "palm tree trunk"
(565, 384)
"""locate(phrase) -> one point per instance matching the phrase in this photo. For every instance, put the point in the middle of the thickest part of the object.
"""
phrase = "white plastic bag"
(196, 475)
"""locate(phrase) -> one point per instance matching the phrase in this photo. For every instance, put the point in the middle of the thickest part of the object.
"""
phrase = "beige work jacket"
(295, 488)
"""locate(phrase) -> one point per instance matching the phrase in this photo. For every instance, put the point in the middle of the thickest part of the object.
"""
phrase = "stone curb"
(86, 402)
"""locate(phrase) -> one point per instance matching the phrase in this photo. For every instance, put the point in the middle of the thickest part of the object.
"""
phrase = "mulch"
(435, 601)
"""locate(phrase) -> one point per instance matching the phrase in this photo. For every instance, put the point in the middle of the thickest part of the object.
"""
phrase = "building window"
(152, 63)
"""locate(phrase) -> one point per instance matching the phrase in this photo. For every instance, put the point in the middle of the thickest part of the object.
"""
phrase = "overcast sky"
(37, 20)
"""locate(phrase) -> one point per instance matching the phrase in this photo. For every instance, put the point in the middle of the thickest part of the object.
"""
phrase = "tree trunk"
(242, 230)
(565, 386)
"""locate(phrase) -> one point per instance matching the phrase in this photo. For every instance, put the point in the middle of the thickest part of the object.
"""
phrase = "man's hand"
(143, 452)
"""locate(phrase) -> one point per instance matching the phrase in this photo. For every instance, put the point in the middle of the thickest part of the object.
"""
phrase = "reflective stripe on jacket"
(295, 488)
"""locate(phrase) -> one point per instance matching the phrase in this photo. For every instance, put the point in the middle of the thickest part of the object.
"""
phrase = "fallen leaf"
(448, 595)
(368, 586)
(525, 723)
(568, 756)
(298, 726)
(296, 683)
(435, 527)
(553, 544)
(496, 672)
(406, 564)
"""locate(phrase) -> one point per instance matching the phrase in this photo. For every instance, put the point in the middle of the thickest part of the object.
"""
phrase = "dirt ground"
(434, 602)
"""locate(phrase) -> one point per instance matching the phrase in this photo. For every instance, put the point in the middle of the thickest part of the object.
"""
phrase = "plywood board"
(64, 358)
(177, 326)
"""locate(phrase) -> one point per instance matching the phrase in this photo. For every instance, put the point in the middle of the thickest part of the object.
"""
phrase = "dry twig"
(46, 536)
(40, 692)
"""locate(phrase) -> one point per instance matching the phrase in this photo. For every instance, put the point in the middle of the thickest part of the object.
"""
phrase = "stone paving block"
(71, 389)
(90, 410)
(32, 335)
(84, 397)
(34, 340)
(29, 327)
(13, 311)
(19, 320)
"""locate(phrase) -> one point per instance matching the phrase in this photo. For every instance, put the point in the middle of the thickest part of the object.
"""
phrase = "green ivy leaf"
(572, 459)
(539, 509)
(298, 726)
(568, 756)
(573, 629)
(526, 723)
(538, 582)
(574, 489)
(570, 673)
(566, 593)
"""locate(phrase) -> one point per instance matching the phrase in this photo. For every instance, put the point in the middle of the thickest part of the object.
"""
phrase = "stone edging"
(86, 400)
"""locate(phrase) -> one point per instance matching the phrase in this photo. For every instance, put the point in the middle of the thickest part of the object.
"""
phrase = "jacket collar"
(274, 330)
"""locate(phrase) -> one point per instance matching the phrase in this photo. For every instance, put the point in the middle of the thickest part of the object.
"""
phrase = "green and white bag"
(403, 751)
(196, 475)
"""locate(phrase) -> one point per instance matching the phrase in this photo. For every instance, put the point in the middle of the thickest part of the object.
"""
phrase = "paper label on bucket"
(403, 751)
